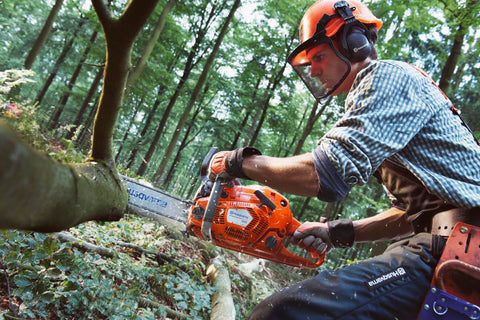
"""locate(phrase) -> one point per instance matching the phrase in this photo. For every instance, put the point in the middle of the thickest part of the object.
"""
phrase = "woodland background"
(182, 97)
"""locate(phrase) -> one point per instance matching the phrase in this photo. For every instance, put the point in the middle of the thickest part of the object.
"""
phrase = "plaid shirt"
(394, 111)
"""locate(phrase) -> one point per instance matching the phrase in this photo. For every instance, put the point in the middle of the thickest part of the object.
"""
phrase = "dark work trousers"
(390, 286)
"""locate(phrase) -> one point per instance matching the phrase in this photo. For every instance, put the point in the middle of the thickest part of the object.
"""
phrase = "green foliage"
(52, 275)
(48, 279)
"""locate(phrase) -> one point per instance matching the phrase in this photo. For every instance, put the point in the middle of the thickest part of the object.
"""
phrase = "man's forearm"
(295, 175)
(388, 225)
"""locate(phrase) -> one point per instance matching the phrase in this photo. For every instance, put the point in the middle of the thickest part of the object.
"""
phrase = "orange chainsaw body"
(254, 220)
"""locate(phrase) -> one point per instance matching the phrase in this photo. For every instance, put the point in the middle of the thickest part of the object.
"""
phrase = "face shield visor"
(320, 66)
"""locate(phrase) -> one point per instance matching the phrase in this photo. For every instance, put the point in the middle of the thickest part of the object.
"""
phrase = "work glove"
(320, 237)
(228, 164)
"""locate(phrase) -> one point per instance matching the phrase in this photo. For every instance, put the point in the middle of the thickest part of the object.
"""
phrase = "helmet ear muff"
(358, 46)
(355, 36)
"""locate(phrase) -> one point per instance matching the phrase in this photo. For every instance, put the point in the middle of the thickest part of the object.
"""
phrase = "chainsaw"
(254, 220)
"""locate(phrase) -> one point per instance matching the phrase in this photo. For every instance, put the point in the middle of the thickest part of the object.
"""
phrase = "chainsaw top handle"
(206, 163)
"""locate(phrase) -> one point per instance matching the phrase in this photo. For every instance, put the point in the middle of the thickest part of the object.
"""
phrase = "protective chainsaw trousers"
(390, 286)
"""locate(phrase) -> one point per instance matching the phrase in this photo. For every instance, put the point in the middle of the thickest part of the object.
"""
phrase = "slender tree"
(147, 51)
(129, 127)
(466, 17)
(311, 120)
(71, 83)
(42, 37)
(194, 57)
(67, 46)
(195, 93)
(91, 92)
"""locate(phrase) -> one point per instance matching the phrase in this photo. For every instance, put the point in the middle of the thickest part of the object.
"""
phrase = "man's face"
(327, 67)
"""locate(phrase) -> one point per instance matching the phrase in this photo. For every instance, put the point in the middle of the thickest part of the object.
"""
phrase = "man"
(397, 126)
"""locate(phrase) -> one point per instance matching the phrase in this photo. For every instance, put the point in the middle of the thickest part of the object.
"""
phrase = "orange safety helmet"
(309, 24)
(320, 23)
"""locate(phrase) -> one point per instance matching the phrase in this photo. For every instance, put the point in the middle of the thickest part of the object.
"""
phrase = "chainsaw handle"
(211, 208)
(206, 163)
(305, 263)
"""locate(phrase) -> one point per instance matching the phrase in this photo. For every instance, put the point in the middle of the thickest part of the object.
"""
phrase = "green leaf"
(22, 281)
(178, 297)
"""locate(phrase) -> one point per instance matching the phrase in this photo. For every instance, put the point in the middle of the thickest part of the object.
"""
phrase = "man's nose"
(315, 70)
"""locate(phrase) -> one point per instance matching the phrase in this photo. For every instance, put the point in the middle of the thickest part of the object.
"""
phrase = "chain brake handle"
(215, 192)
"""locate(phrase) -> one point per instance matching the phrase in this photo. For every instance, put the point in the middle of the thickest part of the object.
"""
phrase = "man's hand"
(228, 164)
(320, 237)
(313, 237)
(217, 166)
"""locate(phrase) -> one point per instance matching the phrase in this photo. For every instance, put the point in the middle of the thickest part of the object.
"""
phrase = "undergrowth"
(42, 277)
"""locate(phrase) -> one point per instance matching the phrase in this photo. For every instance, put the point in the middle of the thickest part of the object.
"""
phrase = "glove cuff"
(234, 159)
(342, 233)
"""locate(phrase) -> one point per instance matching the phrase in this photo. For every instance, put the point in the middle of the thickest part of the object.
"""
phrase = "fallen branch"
(159, 257)
(222, 301)
(147, 303)
(83, 245)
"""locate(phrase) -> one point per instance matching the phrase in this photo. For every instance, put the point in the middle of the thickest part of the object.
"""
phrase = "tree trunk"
(269, 93)
(145, 128)
(183, 144)
(294, 139)
(189, 65)
(451, 63)
(246, 118)
(312, 119)
(73, 79)
(195, 93)
(39, 194)
(130, 124)
(42, 37)
(86, 130)
(304, 207)
(147, 51)
(258, 126)
(223, 307)
(120, 35)
(258, 112)
(66, 48)
(93, 89)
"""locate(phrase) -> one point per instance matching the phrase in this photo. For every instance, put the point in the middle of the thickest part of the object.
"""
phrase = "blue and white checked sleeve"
(382, 114)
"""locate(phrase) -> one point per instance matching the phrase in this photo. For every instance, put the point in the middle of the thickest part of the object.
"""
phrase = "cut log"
(223, 307)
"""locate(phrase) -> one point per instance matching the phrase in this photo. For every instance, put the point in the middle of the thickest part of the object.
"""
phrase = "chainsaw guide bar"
(146, 197)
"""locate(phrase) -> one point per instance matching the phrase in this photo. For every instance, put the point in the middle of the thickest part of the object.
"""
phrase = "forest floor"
(128, 269)
(142, 248)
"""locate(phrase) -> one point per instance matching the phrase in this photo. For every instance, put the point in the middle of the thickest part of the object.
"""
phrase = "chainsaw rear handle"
(301, 261)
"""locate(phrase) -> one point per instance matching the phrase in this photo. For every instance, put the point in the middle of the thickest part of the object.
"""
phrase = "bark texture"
(38, 193)
(222, 301)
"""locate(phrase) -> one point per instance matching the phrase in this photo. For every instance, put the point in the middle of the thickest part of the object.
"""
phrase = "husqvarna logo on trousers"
(386, 278)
